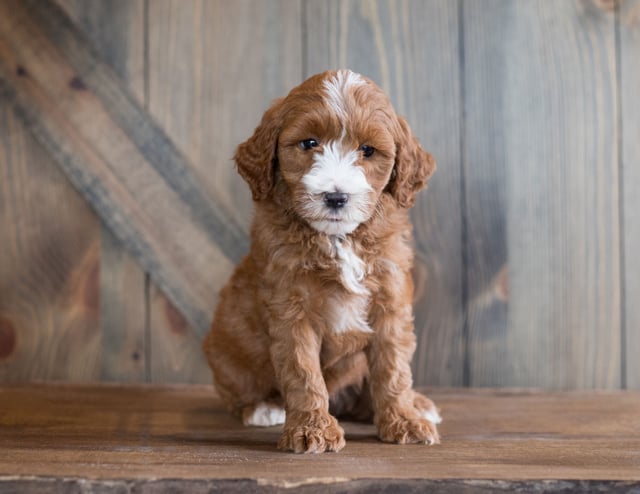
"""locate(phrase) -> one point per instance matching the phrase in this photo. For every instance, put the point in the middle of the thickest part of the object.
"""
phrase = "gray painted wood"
(123, 314)
(115, 29)
(630, 117)
(176, 350)
(394, 44)
(112, 151)
(214, 68)
(148, 138)
(485, 168)
(49, 265)
(193, 40)
(541, 178)
(532, 245)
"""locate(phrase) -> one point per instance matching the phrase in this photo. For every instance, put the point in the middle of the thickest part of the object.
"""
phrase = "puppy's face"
(336, 150)
(338, 145)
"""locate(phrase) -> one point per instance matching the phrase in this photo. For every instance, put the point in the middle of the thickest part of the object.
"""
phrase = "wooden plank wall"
(117, 32)
(525, 238)
(540, 80)
(49, 266)
(629, 74)
(205, 59)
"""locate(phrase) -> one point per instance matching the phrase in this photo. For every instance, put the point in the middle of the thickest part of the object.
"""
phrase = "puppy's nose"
(336, 200)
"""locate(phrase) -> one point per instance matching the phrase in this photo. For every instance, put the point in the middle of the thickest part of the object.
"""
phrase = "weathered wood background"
(118, 119)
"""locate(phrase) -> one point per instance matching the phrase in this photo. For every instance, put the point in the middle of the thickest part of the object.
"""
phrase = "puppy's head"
(338, 145)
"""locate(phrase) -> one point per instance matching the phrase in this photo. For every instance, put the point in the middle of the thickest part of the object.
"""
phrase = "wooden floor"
(57, 438)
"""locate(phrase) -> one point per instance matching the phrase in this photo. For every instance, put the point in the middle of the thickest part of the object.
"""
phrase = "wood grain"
(214, 68)
(484, 190)
(123, 314)
(630, 118)
(527, 234)
(541, 180)
(124, 164)
(145, 337)
(115, 29)
(141, 435)
(176, 350)
(393, 43)
(49, 266)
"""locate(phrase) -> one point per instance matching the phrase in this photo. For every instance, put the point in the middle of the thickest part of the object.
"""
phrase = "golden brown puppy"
(316, 320)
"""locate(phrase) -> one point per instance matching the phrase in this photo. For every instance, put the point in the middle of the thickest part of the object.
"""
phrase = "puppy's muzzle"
(336, 200)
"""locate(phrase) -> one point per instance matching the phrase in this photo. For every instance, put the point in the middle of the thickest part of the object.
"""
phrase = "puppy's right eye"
(308, 144)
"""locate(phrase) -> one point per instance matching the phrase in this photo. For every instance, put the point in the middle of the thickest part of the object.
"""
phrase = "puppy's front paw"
(312, 433)
(397, 428)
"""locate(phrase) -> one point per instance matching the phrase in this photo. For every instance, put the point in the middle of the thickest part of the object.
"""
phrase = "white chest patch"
(352, 268)
(349, 311)
(349, 314)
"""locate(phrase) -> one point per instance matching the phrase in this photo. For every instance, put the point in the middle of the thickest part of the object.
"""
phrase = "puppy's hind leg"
(244, 378)
(237, 349)
(247, 385)
(264, 414)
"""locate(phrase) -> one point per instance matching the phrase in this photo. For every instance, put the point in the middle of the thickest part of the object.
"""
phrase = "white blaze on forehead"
(337, 90)
(335, 170)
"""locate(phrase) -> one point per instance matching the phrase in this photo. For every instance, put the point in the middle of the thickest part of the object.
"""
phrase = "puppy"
(316, 321)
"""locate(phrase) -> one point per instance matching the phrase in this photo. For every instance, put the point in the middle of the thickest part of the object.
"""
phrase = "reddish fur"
(270, 339)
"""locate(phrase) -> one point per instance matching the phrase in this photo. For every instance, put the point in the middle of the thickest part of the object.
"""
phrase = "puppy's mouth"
(334, 225)
(333, 217)
(339, 219)
(326, 219)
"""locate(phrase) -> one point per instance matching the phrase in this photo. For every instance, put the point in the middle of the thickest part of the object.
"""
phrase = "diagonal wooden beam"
(117, 156)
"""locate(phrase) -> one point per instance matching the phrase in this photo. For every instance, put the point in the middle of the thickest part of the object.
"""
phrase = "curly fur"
(317, 318)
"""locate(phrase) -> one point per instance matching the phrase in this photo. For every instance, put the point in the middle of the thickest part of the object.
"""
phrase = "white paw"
(431, 415)
(265, 415)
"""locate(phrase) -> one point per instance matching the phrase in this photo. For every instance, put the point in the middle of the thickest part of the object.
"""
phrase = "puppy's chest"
(351, 268)
(347, 309)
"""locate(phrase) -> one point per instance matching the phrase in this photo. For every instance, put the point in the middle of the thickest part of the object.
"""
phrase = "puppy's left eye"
(367, 151)
(308, 144)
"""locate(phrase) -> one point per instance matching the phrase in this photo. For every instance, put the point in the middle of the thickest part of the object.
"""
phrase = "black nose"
(336, 200)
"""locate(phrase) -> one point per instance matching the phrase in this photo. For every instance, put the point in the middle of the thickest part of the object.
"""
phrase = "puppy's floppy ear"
(413, 166)
(256, 158)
